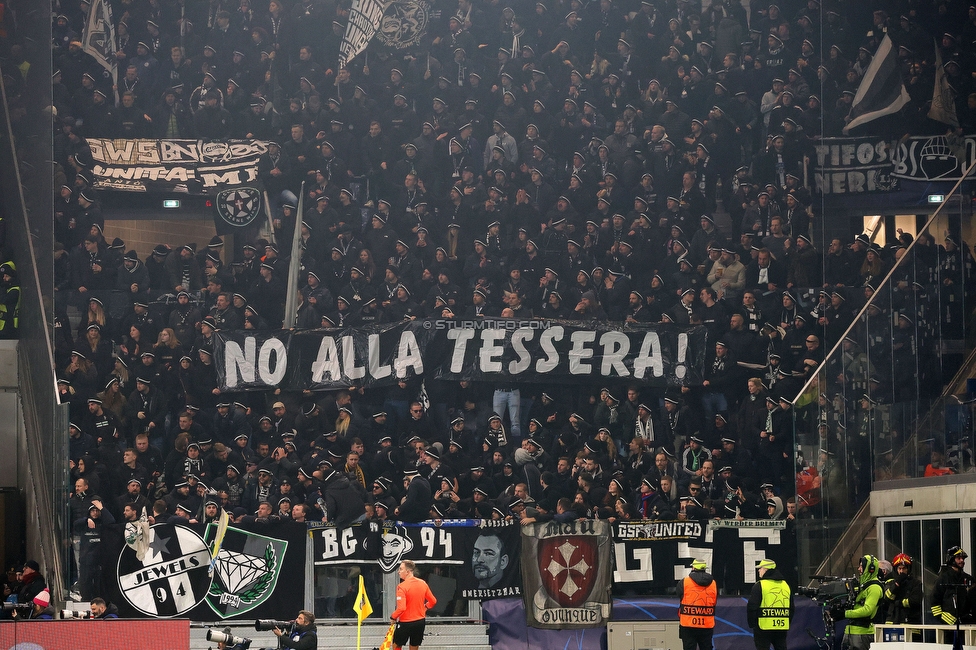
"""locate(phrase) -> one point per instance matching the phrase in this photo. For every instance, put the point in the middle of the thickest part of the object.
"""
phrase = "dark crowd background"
(624, 161)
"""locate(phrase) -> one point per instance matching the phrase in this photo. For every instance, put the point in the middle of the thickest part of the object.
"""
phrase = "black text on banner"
(199, 167)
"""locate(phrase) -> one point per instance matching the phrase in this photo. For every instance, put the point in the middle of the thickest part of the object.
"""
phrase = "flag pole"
(363, 608)
(267, 211)
(291, 301)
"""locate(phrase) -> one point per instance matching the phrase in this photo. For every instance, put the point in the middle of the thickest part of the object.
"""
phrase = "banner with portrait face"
(493, 563)
(486, 552)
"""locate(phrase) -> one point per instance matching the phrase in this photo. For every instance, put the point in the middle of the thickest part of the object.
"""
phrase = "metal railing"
(30, 239)
(858, 413)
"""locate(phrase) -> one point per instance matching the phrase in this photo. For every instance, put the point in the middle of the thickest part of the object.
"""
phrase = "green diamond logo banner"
(246, 570)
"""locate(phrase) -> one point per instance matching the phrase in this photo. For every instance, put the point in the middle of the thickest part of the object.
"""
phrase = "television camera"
(834, 594)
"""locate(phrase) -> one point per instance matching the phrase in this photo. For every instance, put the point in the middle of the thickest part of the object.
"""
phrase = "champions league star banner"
(198, 167)
(259, 572)
(482, 350)
(566, 574)
(652, 555)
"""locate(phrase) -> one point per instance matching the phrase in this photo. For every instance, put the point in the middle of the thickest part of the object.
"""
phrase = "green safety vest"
(774, 610)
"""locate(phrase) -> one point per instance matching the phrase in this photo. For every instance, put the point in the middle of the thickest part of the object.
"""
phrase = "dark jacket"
(300, 640)
(416, 506)
(343, 502)
(902, 590)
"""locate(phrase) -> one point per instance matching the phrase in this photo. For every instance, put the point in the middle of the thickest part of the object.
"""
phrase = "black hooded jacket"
(344, 503)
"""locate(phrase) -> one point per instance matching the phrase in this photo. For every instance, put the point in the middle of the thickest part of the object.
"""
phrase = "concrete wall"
(12, 422)
(935, 499)
(13, 440)
(144, 235)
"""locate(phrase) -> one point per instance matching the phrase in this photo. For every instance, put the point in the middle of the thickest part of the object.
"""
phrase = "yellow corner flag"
(362, 609)
(362, 606)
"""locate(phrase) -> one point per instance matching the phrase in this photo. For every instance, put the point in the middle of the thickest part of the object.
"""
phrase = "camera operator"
(770, 608)
(950, 594)
(859, 632)
(903, 593)
(301, 636)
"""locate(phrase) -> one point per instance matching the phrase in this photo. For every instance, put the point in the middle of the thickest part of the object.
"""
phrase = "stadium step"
(342, 636)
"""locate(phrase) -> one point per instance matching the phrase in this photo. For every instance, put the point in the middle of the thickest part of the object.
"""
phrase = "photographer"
(226, 645)
(770, 608)
(41, 609)
(302, 635)
(859, 632)
(100, 610)
(950, 594)
(903, 593)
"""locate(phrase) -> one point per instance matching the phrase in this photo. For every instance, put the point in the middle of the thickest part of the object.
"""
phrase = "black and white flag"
(364, 19)
(882, 91)
(98, 39)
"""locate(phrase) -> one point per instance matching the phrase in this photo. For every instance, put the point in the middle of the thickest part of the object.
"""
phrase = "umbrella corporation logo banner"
(174, 575)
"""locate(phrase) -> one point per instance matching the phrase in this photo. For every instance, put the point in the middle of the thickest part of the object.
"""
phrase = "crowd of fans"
(553, 160)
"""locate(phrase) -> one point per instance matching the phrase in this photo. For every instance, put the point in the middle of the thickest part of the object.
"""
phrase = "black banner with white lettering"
(165, 570)
(492, 567)
(652, 555)
(483, 350)
(487, 551)
(854, 165)
(491, 556)
(199, 167)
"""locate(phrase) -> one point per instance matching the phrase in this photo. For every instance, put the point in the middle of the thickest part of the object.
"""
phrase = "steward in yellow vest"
(770, 608)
